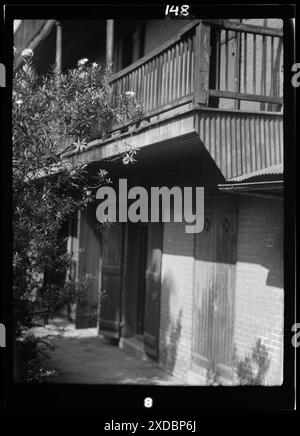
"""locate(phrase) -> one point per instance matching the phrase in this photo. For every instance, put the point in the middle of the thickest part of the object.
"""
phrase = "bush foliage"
(51, 114)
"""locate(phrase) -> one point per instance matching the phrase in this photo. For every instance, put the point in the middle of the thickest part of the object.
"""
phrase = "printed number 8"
(148, 402)
(184, 10)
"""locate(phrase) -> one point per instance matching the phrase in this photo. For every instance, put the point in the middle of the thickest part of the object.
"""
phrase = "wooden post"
(214, 66)
(109, 41)
(58, 53)
(202, 60)
(264, 67)
(2, 76)
(237, 68)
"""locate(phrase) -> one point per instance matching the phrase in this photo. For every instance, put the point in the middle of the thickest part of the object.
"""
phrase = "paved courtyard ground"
(81, 356)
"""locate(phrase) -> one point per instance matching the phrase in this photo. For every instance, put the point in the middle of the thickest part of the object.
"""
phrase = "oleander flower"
(82, 61)
(82, 75)
(19, 102)
(128, 158)
(130, 93)
(102, 173)
(27, 53)
(26, 68)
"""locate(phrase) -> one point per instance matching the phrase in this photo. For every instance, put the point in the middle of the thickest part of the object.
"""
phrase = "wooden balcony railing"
(216, 63)
(164, 77)
(246, 64)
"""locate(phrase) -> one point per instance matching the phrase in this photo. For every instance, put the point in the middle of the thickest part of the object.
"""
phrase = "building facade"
(205, 306)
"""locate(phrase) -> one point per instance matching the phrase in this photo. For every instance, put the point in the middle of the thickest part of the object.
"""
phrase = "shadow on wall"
(258, 247)
(172, 328)
(266, 243)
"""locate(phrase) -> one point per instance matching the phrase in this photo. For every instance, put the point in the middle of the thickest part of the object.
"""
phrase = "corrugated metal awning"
(271, 170)
(248, 186)
(265, 182)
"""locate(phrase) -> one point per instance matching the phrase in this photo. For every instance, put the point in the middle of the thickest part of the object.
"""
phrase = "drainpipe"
(109, 41)
(58, 53)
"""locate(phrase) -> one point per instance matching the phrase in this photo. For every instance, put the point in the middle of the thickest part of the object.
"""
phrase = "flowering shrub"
(51, 114)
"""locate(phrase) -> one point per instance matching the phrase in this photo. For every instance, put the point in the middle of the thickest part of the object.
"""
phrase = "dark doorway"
(129, 43)
(141, 296)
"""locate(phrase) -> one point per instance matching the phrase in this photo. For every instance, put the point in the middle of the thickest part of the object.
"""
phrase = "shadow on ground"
(81, 356)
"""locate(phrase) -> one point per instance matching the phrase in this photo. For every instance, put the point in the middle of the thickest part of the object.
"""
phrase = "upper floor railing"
(217, 63)
(164, 76)
(246, 65)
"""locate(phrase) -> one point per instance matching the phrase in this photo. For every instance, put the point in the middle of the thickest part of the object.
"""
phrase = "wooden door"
(111, 283)
(205, 256)
(213, 319)
(152, 291)
(88, 249)
(223, 301)
(142, 250)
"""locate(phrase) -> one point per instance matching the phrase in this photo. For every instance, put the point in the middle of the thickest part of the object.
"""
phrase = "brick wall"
(258, 289)
(259, 281)
(176, 299)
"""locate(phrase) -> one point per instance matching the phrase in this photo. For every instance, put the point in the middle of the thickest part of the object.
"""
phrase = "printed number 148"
(177, 10)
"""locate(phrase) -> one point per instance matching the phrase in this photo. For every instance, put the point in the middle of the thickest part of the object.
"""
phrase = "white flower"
(130, 93)
(94, 65)
(27, 53)
(128, 159)
(102, 173)
(15, 50)
(18, 102)
(82, 61)
(82, 75)
(26, 68)
(80, 145)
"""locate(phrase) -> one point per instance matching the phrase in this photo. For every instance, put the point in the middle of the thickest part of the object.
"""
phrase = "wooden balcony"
(163, 78)
(230, 74)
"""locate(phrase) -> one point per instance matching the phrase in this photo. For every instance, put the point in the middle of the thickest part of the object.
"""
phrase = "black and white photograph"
(148, 203)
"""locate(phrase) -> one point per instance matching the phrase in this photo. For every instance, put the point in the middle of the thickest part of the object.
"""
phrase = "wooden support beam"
(237, 68)
(263, 67)
(249, 97)
(58, 52)
(2, 76)
(202, 61)
(109, 41)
